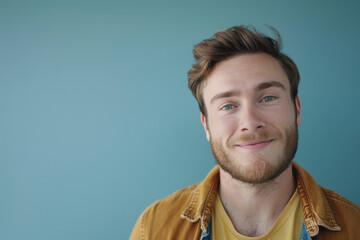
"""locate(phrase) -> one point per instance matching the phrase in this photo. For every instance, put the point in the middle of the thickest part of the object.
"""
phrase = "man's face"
(251, 120)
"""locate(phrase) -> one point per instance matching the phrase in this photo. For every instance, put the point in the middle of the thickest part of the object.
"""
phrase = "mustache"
(256, 136)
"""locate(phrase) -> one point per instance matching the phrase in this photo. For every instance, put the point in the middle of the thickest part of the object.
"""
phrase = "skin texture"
(252, 126)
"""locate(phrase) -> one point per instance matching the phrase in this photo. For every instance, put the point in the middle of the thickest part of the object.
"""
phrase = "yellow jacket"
(187, 213)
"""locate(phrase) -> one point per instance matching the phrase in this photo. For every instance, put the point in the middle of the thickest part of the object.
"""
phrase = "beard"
(261, 168)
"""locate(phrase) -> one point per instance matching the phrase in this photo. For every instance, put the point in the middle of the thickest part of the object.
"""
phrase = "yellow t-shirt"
(287, 226)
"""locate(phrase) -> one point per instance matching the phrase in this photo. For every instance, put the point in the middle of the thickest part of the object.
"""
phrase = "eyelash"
(265, 99)
(272, 99)
(228, 105)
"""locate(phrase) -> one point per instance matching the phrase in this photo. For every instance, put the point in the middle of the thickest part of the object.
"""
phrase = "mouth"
(255, 145)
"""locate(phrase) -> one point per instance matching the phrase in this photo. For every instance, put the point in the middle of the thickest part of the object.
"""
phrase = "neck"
(254, 208)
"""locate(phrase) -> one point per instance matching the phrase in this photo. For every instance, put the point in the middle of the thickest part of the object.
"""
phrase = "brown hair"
(236, 41)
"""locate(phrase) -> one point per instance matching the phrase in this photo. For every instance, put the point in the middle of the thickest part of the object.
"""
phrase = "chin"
(255, 170)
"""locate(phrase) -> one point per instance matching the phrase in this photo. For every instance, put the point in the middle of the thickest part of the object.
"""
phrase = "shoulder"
(189, 202)
(324, 201)
(177, 216)
(340, 201)
(346, 213)
(162, 219)
(176, 202)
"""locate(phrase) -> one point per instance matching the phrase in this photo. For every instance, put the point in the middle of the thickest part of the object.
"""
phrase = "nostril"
(244, 129)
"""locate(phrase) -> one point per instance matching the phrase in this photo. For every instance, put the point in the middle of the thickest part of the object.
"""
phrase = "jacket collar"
(202, 201)
(316, 209)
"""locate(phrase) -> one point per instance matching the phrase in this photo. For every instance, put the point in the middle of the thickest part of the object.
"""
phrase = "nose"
(251, 119)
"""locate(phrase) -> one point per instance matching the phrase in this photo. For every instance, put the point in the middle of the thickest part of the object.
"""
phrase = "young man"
(247, 94)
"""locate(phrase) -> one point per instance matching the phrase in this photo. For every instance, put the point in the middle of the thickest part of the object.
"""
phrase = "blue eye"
(269, 99)
(228, 107)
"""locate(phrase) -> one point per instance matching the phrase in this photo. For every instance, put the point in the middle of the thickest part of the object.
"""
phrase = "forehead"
(244, 73)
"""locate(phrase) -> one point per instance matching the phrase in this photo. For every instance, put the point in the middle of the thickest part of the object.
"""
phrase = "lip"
(255, 145)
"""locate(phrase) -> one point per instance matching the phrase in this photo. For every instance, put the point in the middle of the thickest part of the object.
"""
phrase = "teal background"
(96, 121)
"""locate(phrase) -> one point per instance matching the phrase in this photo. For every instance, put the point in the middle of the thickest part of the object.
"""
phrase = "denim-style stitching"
(190, 207)
(331, 223)
(309, 219)
(206, 210)
(142, 228)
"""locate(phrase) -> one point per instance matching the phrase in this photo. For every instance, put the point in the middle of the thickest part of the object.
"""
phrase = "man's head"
(234, 41)
(249, 104)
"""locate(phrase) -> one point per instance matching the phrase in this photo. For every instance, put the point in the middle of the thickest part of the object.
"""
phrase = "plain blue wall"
(96, 121)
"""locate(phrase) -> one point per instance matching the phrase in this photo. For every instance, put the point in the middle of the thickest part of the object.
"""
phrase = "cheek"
(224, 127)
(278, 119)
(283, 118)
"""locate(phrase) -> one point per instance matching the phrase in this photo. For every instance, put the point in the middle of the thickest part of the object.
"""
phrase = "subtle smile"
(255, 145)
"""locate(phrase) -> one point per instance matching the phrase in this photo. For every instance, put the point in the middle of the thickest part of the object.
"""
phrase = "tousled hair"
(235, 41)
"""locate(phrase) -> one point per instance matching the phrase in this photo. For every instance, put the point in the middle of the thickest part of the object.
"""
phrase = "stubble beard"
(263, 170)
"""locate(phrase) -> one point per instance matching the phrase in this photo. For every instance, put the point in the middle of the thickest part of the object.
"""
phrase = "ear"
(203, 121)
(298, 110)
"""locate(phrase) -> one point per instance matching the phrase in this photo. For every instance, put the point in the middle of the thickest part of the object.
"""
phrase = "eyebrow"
(225, 95)
(266, 85)
(260, 87)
